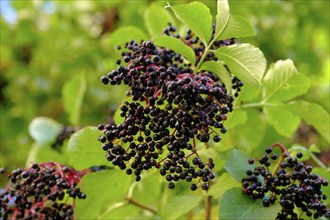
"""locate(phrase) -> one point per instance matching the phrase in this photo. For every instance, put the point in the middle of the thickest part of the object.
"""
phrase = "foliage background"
(50, 43)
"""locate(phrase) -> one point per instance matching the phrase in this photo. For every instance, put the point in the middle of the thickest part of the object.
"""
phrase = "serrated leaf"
(222, 184)
(197, 17)
(284, 122)
(313, 114)
(85, 150)
(73, 93)
(179, 205)
(218, 69)
(245, 61)
(156, 19)
(235, 118)
(177, 46)
(222, 17)
(126, 34)
(103, 189)
(236, 163)
(228, 26)
(283, 82)
(236, 27)
(44, 130)
(235, 205)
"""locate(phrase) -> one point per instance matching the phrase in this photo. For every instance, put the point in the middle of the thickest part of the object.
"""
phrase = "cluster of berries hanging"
(42, 191)
(170, 108)
(292, 184)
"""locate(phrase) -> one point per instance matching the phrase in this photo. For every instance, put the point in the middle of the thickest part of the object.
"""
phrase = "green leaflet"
(85, 150)
(176, 45)
(156, 19)
(245, 61)
(218, 69)
(197, 17)
(283, 82)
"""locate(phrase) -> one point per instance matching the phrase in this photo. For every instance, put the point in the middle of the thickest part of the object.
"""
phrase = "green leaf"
(236, 163)
(237, 27)
(244, 61)
(125, 34)
(179, 205)
(156, 19)
(44, 130)
(176, 45)
(103, 190)
(235, 118)
(284, 122)
(44, 153)
(235, 205)
(197, 17)
(283, 82)
(313, 114)
(73, 93)
(228, 26)
(218, 69)
(222, 184)
(222, 17)
(85, 150)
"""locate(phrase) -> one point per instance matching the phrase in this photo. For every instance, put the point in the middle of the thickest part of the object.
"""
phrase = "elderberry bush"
(40, 192)
(172, 109)
(292, 184)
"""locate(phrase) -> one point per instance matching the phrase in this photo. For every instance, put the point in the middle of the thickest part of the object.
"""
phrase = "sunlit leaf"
(85, 150)
(197, 17)
(235, 118)
(156, 19)
(244, 61)
(284, 122)
(44, 153)
(219, 70)
(283, 82)
(176, 45)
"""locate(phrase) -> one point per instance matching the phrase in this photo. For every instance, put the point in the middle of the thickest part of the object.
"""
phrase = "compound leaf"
(283, 82)
(245, 61)
(218, 69)
(234, 205)
(222, 184)
(85, 150)
(73, 93)
(176, 45)
(197, 17)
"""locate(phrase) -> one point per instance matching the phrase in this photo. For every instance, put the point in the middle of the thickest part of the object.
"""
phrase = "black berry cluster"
(292, 184)
(171, 109)
(40, 192)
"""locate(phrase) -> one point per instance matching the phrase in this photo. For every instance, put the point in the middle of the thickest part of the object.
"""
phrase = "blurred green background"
(46, 43)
